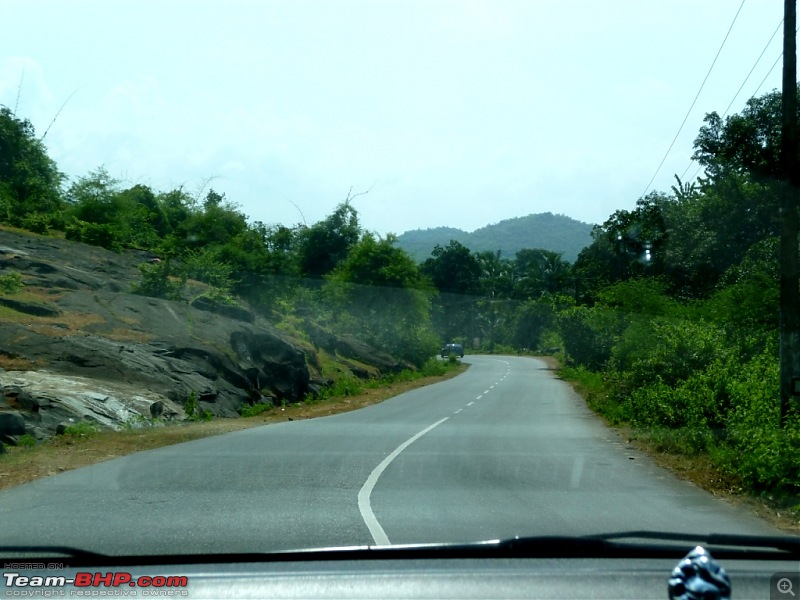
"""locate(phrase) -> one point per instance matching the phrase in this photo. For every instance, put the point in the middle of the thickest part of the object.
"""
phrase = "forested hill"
(557, 233)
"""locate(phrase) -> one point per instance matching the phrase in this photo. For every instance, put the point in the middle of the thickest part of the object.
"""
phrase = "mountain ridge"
(548, 231)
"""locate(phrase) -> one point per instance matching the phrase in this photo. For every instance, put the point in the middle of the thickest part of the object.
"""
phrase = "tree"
(497, 274)
(531, 320)
(453, 269)
(217, 223)
(538, 272)
(381, 294)
(455, 272)
(30, 182)
(326, 244)
(745, 143)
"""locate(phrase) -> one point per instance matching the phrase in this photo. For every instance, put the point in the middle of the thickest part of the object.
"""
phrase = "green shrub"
(190, 405)
(159, 281)
(766, 458)
(598, 389)
(204, 265)
(192, 409)
(686, 441)
(95, 234)
(37, 223)
(82, 429)
(11, 283)
(346, 386)
(588, 334)
(433, 367)
(254, 410)
(26, 441)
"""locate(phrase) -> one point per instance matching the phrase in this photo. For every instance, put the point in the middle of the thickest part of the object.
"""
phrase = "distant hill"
(557, 233)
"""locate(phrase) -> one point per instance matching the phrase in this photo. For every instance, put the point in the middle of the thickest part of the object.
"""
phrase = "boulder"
(11, 423)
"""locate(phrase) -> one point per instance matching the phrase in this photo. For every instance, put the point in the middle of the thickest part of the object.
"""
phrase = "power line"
(772, 68)
(775, 64)
(661, 164)
(753, 68)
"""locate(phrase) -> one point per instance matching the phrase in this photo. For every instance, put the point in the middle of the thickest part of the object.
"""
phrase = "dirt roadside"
(21, 465)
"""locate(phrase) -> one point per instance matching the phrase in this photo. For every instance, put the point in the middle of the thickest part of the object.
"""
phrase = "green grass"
(347, 385)
(594, 387)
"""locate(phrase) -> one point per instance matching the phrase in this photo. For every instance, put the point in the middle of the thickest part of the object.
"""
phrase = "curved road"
(504, 449)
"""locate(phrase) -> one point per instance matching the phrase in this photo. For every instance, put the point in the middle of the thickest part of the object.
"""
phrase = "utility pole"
(790, 219)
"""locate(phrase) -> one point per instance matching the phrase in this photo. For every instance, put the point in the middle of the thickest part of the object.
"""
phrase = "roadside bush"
(82, 430)
(666, 350)
(588, 334)
(26, 441)
(686, 406)
(765, 457)
(433, 367)
(248, 410)
(686, 441)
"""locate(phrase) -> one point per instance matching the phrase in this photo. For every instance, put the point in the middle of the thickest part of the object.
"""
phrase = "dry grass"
(64, 453)
(66, 323)
(128, 335)
(12, 362)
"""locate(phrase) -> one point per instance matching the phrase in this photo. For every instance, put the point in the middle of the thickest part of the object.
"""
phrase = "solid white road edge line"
(375, 529)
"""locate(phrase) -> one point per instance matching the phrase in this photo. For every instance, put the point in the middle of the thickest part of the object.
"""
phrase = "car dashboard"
(574, 568)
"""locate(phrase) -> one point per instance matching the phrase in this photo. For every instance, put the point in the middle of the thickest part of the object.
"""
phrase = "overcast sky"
(450, 112)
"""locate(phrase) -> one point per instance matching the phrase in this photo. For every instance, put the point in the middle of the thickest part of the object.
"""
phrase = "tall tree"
(30, 182)
(325, 244)
(383, 295)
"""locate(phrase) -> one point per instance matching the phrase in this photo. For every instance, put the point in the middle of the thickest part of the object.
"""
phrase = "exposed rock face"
(350, 347)
(42, 401)
(78, 346)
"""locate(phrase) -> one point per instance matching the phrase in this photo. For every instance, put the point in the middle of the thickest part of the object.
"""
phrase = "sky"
(428, 113)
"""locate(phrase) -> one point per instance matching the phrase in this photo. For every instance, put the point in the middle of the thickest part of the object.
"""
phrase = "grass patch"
(14, 362)
(593, 387)
(121, 334)
(57, 326)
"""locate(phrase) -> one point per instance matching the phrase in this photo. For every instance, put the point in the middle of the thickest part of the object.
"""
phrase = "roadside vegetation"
(668, 319)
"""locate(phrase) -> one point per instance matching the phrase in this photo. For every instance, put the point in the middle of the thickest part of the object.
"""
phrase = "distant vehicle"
(456, 349)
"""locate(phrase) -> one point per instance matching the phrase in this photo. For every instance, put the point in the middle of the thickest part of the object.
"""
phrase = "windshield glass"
(279, 275)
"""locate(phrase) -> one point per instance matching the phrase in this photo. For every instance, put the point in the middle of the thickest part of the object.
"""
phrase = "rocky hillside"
(76, 345)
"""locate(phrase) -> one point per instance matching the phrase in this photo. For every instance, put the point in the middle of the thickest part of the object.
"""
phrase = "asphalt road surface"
(504, 449)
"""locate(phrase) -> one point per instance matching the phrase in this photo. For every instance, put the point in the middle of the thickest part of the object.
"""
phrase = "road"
(504, 449)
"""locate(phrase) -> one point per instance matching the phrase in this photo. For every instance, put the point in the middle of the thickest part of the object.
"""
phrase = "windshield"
(284, 275)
